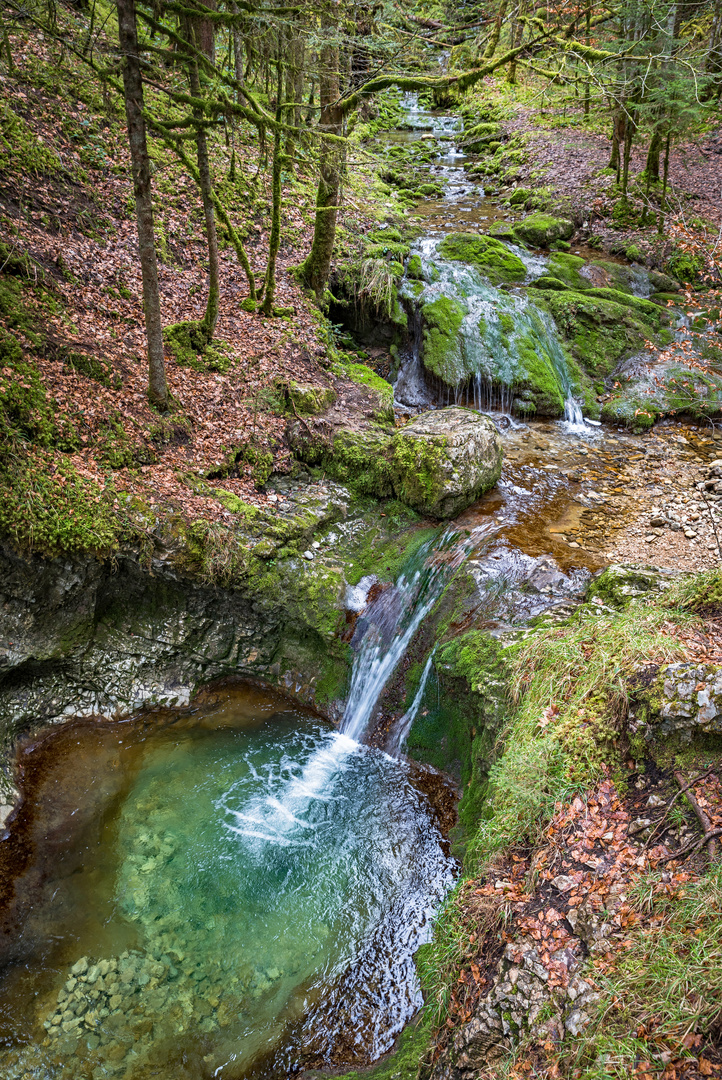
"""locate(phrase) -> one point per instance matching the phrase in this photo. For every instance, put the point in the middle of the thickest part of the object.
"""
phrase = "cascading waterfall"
(280, 817)
(503, 341)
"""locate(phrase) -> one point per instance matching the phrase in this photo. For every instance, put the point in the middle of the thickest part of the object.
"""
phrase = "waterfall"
(392, 621)
(280, 818)
(501, 349)
(401, 729)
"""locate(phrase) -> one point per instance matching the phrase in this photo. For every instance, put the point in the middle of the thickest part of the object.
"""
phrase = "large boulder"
(444, 460)
(541, 230)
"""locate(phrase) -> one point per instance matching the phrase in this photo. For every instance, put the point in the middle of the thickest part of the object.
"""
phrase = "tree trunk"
(133, 87)
(204, 171)
(619, 135)
(275, 237)
(663, 205)
(317, 266)
(655, 149)
(496, 31)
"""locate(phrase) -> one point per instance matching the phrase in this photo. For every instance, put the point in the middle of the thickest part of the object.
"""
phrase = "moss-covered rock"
(502, 230)
(599, 332)
(445, 460)
(490, 256)
(441, 321)
(311, 399)
(541, 230)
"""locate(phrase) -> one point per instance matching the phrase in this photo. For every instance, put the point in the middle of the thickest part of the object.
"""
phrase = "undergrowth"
(664, 992)
(569, 686)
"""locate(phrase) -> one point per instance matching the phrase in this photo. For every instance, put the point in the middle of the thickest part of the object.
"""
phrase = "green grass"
(665, 985)
(569, 684)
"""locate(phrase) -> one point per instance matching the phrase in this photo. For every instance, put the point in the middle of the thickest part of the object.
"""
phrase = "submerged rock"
(445, 460)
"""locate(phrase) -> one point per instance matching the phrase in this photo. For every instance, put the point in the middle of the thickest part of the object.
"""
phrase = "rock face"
(85, 636)
(445, 460)
(690, 699)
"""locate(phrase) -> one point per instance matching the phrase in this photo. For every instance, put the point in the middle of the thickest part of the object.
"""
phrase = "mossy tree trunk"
(496, 31)
(198, 36)
(133, 88)
(275, 237)
(317, 266)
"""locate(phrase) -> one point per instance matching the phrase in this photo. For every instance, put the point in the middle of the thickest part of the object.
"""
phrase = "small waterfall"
(280, 818)
(401, 729)
(390, 624)
(504, 345)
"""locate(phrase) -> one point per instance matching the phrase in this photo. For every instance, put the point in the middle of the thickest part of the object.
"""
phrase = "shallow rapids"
(250, 905)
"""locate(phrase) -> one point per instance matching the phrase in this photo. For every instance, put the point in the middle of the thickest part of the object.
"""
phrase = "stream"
(238, 890)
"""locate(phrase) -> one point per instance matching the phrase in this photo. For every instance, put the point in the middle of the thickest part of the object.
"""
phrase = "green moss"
(441, 321)
(541, 230)
(309, 400)
(91, 366)
(566, 268)
(416, 470)
(46, 506)
(27, 413)
(21, 150)
(490, 256)
(599, 332)
(115, 449)
(190, 345)
(414, 267)
(366, 376)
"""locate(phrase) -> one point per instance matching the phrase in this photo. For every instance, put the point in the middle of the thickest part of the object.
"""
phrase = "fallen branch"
(702, 818)
(682, 791)
(695, 846)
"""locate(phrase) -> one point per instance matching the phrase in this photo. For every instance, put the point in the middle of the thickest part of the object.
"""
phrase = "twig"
(298, 417)
(695, 846)
(682, 790)
(700, 815)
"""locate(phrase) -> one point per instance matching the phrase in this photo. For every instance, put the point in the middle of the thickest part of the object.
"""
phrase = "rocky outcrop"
(689, 699)
(444, 460)
(439, 464)
(103, 637)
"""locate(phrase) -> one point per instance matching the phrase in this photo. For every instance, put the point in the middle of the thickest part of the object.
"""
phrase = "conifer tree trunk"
(133, 87)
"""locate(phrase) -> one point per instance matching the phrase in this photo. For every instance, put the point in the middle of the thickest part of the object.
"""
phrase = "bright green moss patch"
(441, 322)
(190, 345)
(491, 257)
(541, 230)
(365, 376)
(47, 506)
(599, 332)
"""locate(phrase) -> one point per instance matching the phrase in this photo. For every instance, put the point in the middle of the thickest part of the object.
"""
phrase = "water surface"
(237, 893)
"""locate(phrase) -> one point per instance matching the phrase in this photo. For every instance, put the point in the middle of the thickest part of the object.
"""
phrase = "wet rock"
(621, 583)
(445, 460)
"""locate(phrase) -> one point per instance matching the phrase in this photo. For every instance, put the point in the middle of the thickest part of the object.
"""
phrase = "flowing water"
(232, 894)
(500, 330)
(238, 891)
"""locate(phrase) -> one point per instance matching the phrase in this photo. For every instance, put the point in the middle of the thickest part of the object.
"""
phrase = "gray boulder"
(444, 460)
